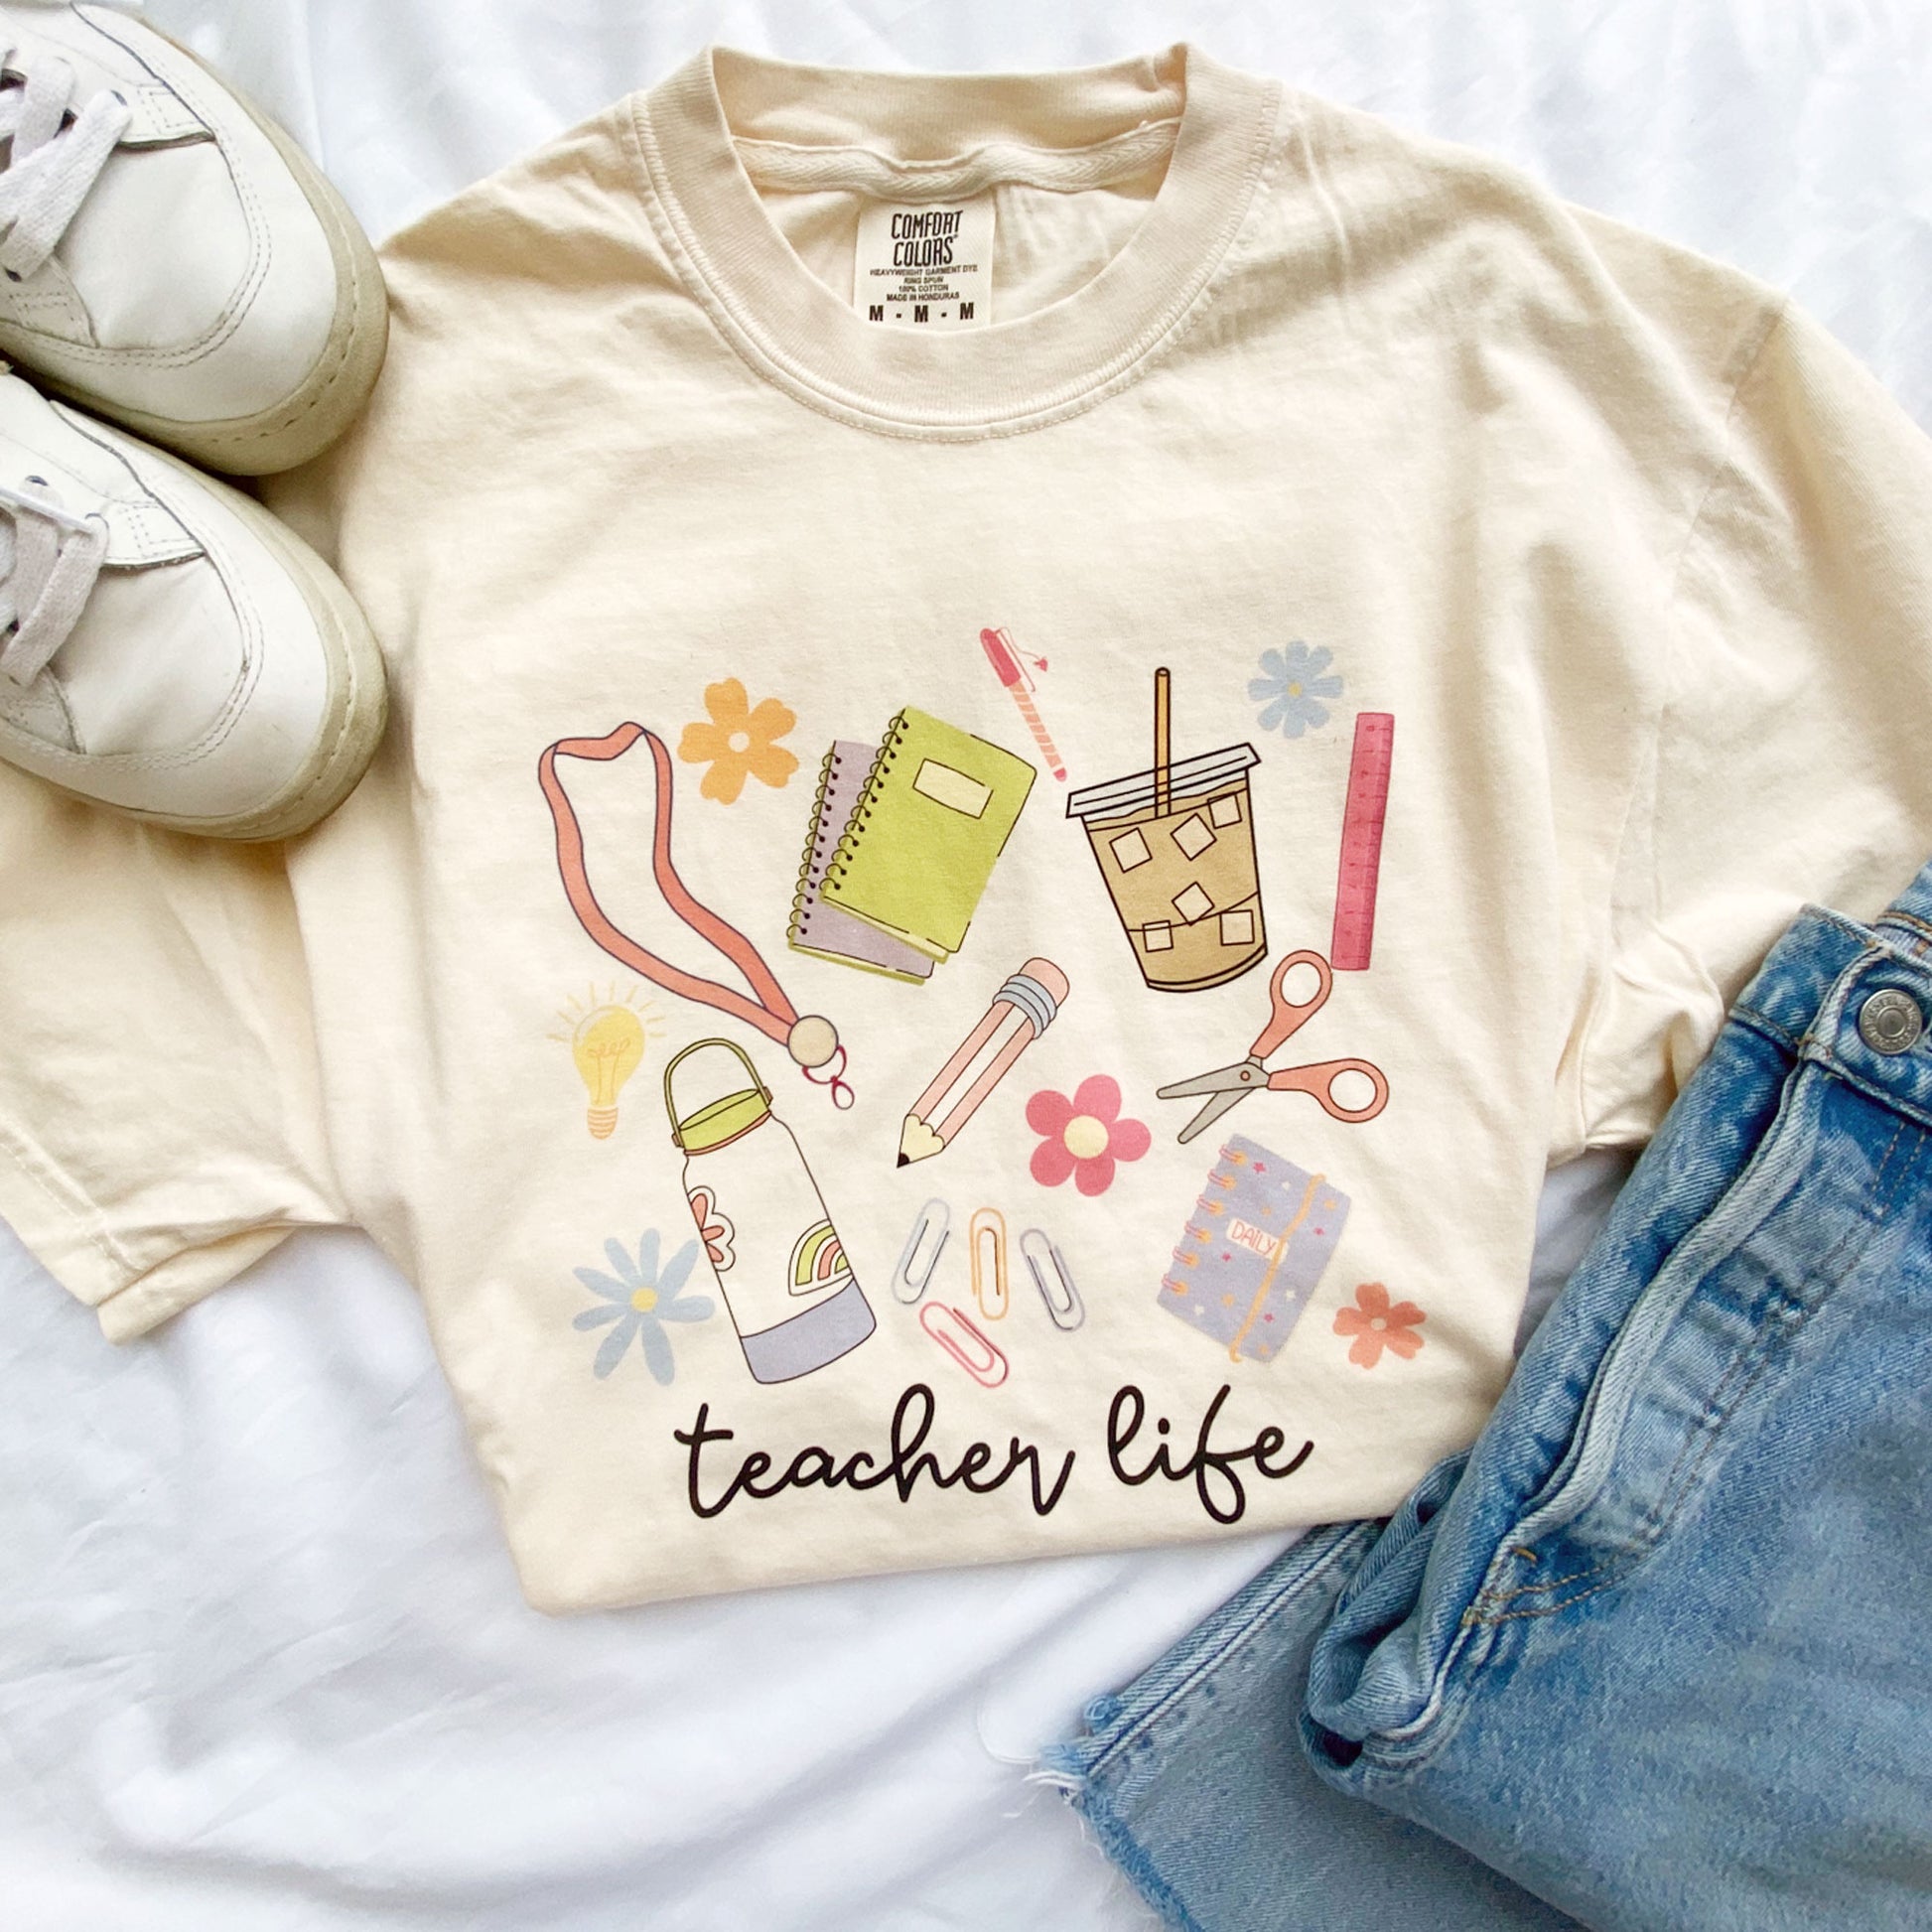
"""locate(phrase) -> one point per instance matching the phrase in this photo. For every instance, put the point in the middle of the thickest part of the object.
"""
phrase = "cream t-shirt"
(778, 722)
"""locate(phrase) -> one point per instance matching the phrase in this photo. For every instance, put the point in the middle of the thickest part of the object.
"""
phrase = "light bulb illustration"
(606, 1044)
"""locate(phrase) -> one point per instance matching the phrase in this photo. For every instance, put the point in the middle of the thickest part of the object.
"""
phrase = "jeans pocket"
(1682, 1350)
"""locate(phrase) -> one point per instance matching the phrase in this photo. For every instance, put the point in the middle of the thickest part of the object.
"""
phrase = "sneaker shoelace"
(48, 560)
(55, 155)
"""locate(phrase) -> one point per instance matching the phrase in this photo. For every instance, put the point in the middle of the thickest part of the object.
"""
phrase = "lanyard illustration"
(812, 1041)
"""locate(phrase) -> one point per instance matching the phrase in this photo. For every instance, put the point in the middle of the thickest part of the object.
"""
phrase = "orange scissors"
(1231, 1084)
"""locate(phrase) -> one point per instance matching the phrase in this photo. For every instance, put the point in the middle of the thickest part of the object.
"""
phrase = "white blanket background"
(263, 1665)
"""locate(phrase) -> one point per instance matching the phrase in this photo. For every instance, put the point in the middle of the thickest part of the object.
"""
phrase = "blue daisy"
(636, 1299)
(1291, 689)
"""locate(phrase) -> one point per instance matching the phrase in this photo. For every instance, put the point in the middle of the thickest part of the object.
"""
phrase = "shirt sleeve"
(1793, 750)
(160, 1119)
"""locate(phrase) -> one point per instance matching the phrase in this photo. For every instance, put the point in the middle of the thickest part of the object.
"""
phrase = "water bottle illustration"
(782, 1268)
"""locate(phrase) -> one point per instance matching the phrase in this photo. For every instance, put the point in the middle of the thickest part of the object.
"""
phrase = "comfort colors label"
(925, 266)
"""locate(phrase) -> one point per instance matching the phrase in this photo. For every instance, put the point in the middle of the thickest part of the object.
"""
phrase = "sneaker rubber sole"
(355, 710)
(311, 417)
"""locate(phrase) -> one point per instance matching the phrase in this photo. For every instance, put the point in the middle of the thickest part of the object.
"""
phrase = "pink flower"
(713, 1228)
(1083, 1137)
(1376, 1325)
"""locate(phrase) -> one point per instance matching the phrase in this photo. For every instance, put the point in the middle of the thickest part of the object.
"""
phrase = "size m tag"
(925, 265)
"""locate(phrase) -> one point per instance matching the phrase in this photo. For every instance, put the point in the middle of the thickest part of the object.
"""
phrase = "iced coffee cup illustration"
(778, 1259)
(1176, 846)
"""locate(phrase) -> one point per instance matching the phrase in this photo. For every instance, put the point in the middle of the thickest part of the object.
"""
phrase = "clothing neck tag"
(925, 265)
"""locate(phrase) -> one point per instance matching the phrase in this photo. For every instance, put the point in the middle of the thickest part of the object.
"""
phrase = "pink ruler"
(1361, 841)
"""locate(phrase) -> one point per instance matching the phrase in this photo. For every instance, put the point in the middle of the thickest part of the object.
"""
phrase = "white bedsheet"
(263, 1664)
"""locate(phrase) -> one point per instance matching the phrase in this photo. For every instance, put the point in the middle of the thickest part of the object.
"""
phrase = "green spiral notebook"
(938, 809)
(823, 930)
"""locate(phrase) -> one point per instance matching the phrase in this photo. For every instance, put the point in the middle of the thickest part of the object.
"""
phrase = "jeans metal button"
(1891, 1022)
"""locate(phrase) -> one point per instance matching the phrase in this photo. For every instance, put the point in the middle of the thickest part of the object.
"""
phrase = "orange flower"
(1376, 1326)
(739, 742)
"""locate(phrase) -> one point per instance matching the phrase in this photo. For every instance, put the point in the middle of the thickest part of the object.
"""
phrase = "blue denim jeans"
(1657, 1653)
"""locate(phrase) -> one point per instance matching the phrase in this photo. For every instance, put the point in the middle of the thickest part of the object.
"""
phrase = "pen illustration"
(1004, 654)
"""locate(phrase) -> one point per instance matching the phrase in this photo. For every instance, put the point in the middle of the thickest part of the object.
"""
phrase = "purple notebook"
(1256, 1245)
(829, 931)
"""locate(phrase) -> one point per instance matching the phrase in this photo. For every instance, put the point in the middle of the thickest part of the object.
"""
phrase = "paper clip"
(989, 1226)
(955, 1332)
(907, 1287)
(1056, 1289)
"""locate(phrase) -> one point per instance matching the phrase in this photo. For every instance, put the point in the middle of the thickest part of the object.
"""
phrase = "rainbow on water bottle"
(818, 1260)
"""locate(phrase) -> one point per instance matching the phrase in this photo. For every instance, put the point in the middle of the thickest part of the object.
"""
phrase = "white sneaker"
(167, 649)
(168, 256)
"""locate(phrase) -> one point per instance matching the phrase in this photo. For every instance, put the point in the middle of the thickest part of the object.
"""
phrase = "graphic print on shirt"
(1009, 665)
(634, 1302)
(919, 1259)
(715, 1229)
(1373, 1325)
(785, 1277)
(1293, 690)
(607, 1041)
(1227, 1086)
(925, 1245)
(1175, 847)
(810, 1039)
(738, 741)
(986, 1244)
(1053, 1279)
(966, 1342)
(1022, 1009)
(1083, 1138)
(829, 931)
(925, 831)
(1262, 1234)
(956, 1332)
(1358, 872)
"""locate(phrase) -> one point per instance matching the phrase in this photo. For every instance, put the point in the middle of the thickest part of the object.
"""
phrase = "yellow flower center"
(1293, 690)
(644, 1300)
(1085, 1137)
(740, 742)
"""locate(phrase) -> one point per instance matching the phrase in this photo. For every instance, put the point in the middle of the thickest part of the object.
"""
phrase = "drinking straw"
(1161, 683)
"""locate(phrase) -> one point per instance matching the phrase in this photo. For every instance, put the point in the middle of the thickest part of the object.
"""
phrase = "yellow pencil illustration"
(1022, 1010)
